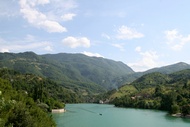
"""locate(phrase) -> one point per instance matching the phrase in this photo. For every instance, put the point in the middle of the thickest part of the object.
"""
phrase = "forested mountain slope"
(39, 88)
(99, 70)
(78, 72)
(83, 75)
(170, 68)
(169, 92)
(164, 70)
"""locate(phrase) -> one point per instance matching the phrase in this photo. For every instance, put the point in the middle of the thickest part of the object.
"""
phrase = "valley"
(52, 80)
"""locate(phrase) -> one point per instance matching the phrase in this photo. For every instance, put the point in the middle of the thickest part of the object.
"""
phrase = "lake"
(100, 115)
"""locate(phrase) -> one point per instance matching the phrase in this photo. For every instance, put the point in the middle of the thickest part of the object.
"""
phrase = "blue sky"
(141, 33)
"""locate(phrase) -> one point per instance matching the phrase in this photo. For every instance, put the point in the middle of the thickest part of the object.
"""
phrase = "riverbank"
(180, 115)
(58, 110)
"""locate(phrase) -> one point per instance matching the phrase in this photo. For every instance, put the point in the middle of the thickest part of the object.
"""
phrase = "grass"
(124, 91)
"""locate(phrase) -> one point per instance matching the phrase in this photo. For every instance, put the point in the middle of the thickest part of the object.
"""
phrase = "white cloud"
(37, 18)
(25, 47)
(92, 54)
(67, 17)
(149, 59)
(52, 26)
(42, 1)
(74, 42)
(48, 48)
(56, 10)
(105, 36)
(4, 50)
(125, 32)
(175, 40)
(34, 2)
(120, 46)
(29, 43)
(138, 49)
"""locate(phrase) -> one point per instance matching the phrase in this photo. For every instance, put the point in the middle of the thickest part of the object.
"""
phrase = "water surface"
(98, 115)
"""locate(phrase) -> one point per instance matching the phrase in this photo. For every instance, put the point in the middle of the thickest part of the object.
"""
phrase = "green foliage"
(186, 110)
(40, 89)
(19, 110)
(71, 70)
(168, 100)
(175, 109)
(124, 91)
(83, 75)
(150, 80)
(158, 91)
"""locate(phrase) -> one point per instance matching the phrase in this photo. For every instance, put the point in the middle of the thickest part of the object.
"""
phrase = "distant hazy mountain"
(164, 70)
(170, 68)
(71, 70)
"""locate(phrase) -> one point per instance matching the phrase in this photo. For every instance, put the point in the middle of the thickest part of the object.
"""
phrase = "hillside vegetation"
(17, 109)
(81, 75)
(163, 70)
(25, 100)
(38, 88)
(170, 92)
(32, 85)
(87, 75)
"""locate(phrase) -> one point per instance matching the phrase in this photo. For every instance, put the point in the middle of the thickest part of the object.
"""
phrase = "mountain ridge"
(76, 70)
(170, 68)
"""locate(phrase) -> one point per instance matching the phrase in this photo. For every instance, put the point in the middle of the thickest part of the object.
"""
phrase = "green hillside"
(26, 100)
(164, 70)
(170, 68)
(38, 88)
(76, 71)
(170, 92)
(89, 76)
(99, 70)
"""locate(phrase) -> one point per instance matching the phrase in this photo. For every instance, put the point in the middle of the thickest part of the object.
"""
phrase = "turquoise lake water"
(100, 115)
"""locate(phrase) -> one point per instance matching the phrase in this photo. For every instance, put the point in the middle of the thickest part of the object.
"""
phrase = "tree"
(158, 91)
(175, 109)
(19, 110)
(168, 100)
(185, 110)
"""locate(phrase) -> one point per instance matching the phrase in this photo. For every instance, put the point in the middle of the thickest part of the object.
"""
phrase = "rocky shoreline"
(181, 115)
(58, 110)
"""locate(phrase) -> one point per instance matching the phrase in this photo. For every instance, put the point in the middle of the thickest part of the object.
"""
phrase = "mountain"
(78, 72)
(99, 70)
(170, 68)
(153, 80)
(169, 92)
(164, 70)
(150, 80)
(74, 71)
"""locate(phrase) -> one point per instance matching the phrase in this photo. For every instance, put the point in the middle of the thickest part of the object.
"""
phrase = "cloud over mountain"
(74, 42)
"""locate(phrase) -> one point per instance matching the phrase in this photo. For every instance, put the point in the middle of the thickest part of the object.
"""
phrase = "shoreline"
(58, 110)
(180, 115)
